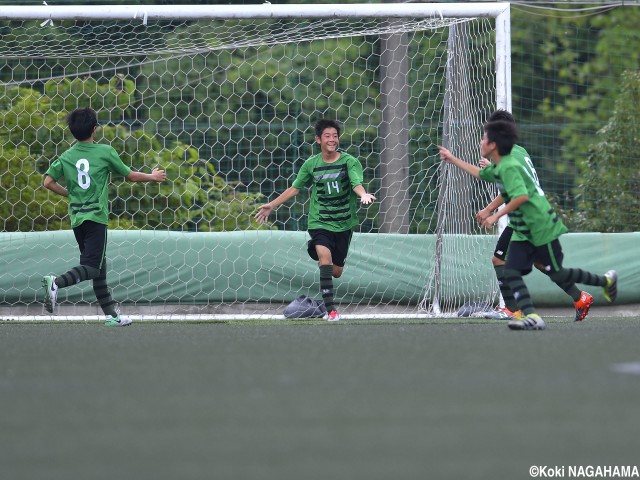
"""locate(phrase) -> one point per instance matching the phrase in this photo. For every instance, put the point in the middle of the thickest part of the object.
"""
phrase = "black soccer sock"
(103, 295)
(520, 291)
(76, 275)
(326, 286)
(505, 289)
(561, 278)
(577, 275)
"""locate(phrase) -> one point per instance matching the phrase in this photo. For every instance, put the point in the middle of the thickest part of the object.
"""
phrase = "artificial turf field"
(428, 399)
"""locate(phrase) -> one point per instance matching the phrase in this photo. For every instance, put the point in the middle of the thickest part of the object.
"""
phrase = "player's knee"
(337, 271)
(497, 261)
(324, 255)
(92, 272)
(556, 276)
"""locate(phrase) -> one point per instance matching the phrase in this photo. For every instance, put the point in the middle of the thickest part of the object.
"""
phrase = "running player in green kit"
(582, 300)
(86, 167)
(335, 179)
(536, 227)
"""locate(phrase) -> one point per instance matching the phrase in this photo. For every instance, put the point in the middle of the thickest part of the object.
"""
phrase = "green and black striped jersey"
(522, 156)
(333, 202)
(535, 221)
(86, 167)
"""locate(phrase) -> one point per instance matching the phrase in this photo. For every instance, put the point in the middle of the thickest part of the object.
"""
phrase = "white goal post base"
(176, 318)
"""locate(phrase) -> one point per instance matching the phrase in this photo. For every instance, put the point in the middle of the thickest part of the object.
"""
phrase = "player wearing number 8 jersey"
(86, 168)
(335, 179)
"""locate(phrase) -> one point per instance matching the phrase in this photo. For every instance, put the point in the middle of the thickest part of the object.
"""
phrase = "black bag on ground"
(469, 308)
(305, 307)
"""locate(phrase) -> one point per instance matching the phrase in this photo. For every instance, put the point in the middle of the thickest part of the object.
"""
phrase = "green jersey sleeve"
(488, 174)
(305, 176)
(55, 170)
(117, 165)
(354, 168)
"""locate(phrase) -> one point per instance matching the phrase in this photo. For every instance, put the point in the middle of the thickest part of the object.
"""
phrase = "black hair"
(323, 124)
(82, 122)
(501, 115)
(503, 133)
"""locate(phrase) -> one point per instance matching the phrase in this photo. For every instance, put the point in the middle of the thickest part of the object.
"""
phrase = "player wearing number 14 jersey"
(335, 180)
(86, 168)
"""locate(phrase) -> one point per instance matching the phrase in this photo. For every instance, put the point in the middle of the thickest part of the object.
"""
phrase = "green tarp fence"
(152, 267)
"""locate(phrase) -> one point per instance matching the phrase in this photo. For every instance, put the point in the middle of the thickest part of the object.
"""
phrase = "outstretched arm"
(155, 176)
(447, 156)
(263, 212)
(365, 198)
(54, 186)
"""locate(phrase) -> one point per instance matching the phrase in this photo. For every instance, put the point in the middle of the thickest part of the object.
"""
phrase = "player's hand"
(158, 175)
(445, 154)
(367, 198)
(490, 221)
(483, 162)
(482, 215)
(263, 213)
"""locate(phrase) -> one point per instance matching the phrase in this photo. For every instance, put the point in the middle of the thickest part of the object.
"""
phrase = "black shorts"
(92, 241)
(503, 243)
(523, 255)
(336, 242)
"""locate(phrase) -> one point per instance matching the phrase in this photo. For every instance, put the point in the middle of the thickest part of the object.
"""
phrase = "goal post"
(225, 98)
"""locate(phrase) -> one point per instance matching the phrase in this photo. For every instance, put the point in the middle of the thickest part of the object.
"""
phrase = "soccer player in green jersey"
(536, 227)
(582, 300)
(335, 179)
(86, 167)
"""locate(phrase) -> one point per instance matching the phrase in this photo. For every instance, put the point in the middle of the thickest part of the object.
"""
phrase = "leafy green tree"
(614, 38)
(27, 134)
(34, 133)
(566, 76)
(610, 175)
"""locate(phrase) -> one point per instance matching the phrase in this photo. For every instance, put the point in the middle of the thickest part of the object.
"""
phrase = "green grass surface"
(437, 399)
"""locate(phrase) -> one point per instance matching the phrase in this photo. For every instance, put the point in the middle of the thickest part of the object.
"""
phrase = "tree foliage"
(567, 73)
(33, 134)
(610, 176)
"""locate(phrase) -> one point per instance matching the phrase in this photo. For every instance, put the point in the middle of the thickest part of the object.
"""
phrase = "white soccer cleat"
(611, 288)
(50, 292)
(530, 322)
(117, 322)
(503, 313)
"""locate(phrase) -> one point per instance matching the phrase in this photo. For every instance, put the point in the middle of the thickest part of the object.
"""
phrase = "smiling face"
(329, 140)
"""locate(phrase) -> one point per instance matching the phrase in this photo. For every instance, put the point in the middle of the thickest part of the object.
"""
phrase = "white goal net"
(225, 99)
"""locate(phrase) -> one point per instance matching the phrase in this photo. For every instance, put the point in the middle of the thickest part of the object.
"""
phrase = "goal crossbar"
(189, 12)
